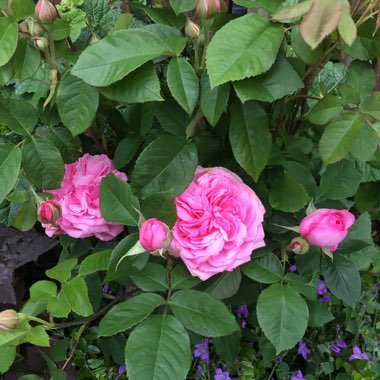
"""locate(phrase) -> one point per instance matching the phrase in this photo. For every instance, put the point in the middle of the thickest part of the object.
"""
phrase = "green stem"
(206, 42)
(190, 129)
(77, 338)
(41, 321)
(196, 54)
(53, 66)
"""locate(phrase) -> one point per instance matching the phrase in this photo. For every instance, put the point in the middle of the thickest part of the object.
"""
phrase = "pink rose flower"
(219, 223)
(153, 234)
(78, 198)
(326, 227)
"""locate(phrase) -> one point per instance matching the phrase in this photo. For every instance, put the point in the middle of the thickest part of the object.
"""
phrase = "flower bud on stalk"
(192, 29)
(41, 43)
(46, 12)
(34, 28)
(208, 8)
(8, 319)
(49, 212)
(299, 246)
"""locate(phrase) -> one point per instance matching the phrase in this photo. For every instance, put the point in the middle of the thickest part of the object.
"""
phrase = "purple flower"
(121, 369)
(298, 376)
(200, 369)
(292, 268)
(242, 314)
(335, 348)
(106, 289)
(322, 287)
(358, 354)
(201, 351)
(325, 299)
(221, 375)
(303, 350)
(339, 344)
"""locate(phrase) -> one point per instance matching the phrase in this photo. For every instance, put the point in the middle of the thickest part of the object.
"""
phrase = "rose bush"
(195, 165)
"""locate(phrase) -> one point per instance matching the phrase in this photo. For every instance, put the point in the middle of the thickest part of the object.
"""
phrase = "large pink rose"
(78, 198)
(326, 227)
(219, 223)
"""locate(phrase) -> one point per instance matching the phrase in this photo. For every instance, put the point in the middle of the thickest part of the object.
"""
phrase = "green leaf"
(279, 81)
(61, 30)
(367, 199)
(342, 279)
(180, 6)
(347, 27)
(266, 269)
(359, 83)
(183, 83)
(182, 279)
(371, 106)
(225, 285)
(58, 306)
(339, 137)
(125, 150)
(172, 117)
(160, 206)
(153, 278)
(26, 60)
(303, 50)
(289, 316)
(167, 163)
(42, 163)
(118, 54)
(243, 48)
(268, 5)
(202, 313)
(301, 174)
(62, 271)
(8, 39)
(365, 145)
(339, 181)
(43, 290)
(287, 194)
(12, 338)
(293, 11)
(319, 314)
(228, 347)
(140, 86)
(303, 285)
(10, 162)
(98, 261)
(76, 294)
(18, 115)
(158, 349)
(250, 137)
(117, 203)
(325, 110)
(322, 19)
(26, 216)
(66, 144)
(22, 8)
(126, 314)
(38, 336)
(77, 103)
(123, 22)
(213, 101)
(7, 356)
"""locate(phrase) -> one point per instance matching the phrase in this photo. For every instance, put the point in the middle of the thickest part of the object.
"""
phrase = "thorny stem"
(53, 66)
(77, 338)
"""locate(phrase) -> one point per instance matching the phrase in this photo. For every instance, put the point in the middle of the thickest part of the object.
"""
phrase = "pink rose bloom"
(219, 223)
(326, 227)
(153, 234)
(78, 198)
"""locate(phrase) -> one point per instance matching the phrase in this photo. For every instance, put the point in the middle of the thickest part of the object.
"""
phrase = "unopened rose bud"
(41, 43)
(34, 28)
(299, 246)
(208, 8)
(192, 29)
(49, 212)
(46, 12)
(154, 235)
(8, 319)
(23, 28)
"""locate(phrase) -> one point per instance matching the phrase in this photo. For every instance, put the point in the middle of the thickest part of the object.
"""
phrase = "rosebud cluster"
(208, 8)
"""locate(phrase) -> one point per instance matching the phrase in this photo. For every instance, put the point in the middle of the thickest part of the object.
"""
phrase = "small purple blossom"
(121, 369)
(298, 376)
(221, 375)
(106, 289)
(337, 346)
(358, 354)
(292, 268)
(303, 350)
(325, 299)
(200, 369)
(341, 343)
(201, 351)
(322, 287)
(242, 314)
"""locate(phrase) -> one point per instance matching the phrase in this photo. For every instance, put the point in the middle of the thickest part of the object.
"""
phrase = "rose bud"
(208, 8)
(299, 246)
(34, 28)
(154, 235)
(326, 228)
(191, 29)
(41, 43)
(49, 212)
(8, 319)
(46, 12)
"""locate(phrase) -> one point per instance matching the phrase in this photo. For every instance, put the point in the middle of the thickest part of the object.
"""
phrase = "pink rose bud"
(49, 212)
(8, 319)
(153, 234)
(299, 246)
(41, 43)
(46, 12)
(191, 29)
(208, 8)
(326, 228)
(34, 28)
